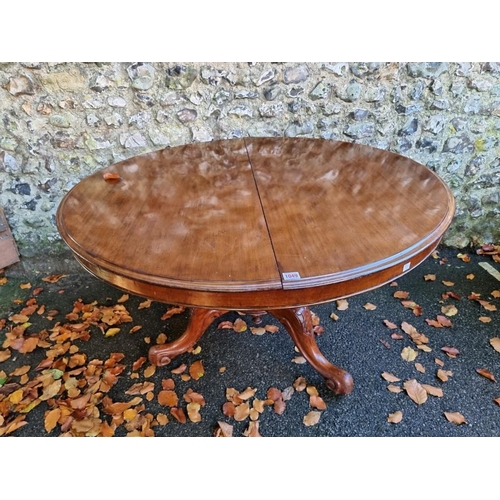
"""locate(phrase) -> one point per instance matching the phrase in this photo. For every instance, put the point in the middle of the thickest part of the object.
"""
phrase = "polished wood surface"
(236, 215)
(186, 217)
(256, 225)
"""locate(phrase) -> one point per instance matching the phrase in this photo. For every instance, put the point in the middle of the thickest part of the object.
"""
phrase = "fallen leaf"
(274, 394)
(470, 276)
(138, 363)
(397, 336)
(111, 177)
(497, 401)
(241, 412)
(487, 305)
(443, 320)
(257, 330)
(443, 374)
(486, 373)
(225, 325)
(54, 278)
(448, 283)
(389, 324)
(145, 305)
(317, 402)
(430, 277)
(451, 351)
(178, 414)
(464, 257)
(438, 362)
(168, 398)
(300, 384)
(385, 343)
(410, 304)
(496, 294)
(409, 354)
(433, 391)
(172, 311)
(279, 406)
(495, 343)
(420, 367)
(449, 310)
(239, 325)
(224, 429)
(180, 369)
(51, 390)
(485, 319)
(272, 328)
(25, 286)
(312, 418)
(369, 306)
(193, 411)
(16, 396)
(162, 419)
(229, 408)
(123, 298)
(334, 316)
(415, 391)
(394, 388)
(400, 294)
(342, 304)
(4, 355)
(19, 318)
(149, 371)
(111, 332)
(455, 417)
(196, 370)
(395, 418)
(299, 360)
(252, 430)
(389, 377)
(21, 370)
(3, 281)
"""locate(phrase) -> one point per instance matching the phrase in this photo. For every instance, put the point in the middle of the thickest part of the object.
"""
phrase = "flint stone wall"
(62, 121)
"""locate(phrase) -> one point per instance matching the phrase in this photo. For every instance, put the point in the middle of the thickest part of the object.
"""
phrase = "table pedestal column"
(298, 323)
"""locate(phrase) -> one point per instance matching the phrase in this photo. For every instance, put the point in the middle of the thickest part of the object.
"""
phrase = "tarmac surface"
(358, 341)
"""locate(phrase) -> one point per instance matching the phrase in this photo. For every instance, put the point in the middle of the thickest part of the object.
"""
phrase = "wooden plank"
(339, 211)
(185, 217)
(8, 250)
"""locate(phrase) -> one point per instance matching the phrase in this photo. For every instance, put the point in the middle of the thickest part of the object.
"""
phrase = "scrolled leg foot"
(199, 321)
(298, 323)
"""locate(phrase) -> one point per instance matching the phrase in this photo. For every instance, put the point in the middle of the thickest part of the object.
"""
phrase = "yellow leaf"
(415, 391)
(129, 414)
(51, 390)
(110, 332)
(409, 354)
(342, 304)
(16, 396)
(312, 418)
(395, 418)
(449, 310)
(51, 419)
(3, 281)
(455, 417)
(149, 371)
(162, 419)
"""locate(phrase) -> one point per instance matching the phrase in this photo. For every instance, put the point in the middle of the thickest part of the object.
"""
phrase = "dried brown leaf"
(224, 429)
(369, 306)
(342, 304)
(448, 283)
(394, 388)
(487, 305)
(317, 402)
(312, 418)
(252, 430)
(196, 370)
(389, 324)
(279, 406)
(486, 373)
(172, 312)
(389, 377)
(455, 417)
(193, 411)
(409, 354)
(495, 343)
(178, 414)
(149, 371)
(484, 319)
(443, 375)
(162, 419)
(400, 294)
(241, 412)
(395, 418)
(239, 325)
(145, 305)
(420, 367)
(300, 384)
(496, 294)
(449, 310)
(180, 369)
(430, 277)
(168, 398)
(299, 360)
(433, 391)
(452, 352)
(415, 391)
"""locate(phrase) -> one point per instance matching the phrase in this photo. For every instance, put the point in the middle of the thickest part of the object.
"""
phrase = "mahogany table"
(256, 225)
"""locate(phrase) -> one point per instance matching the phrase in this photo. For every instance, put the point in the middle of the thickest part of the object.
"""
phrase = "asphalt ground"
(358, 341)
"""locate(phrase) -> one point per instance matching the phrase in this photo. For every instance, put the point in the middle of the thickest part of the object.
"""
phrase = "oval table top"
(256, 222)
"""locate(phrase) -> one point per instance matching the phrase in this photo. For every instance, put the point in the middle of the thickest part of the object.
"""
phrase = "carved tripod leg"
(298, 323)
(199, 321)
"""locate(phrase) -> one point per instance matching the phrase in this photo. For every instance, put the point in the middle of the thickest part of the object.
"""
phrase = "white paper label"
(291, 276)
(406, 266)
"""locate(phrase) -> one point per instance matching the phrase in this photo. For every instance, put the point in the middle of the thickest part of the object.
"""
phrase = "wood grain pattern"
(186, 217)
(338, 211)
(216, 224)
